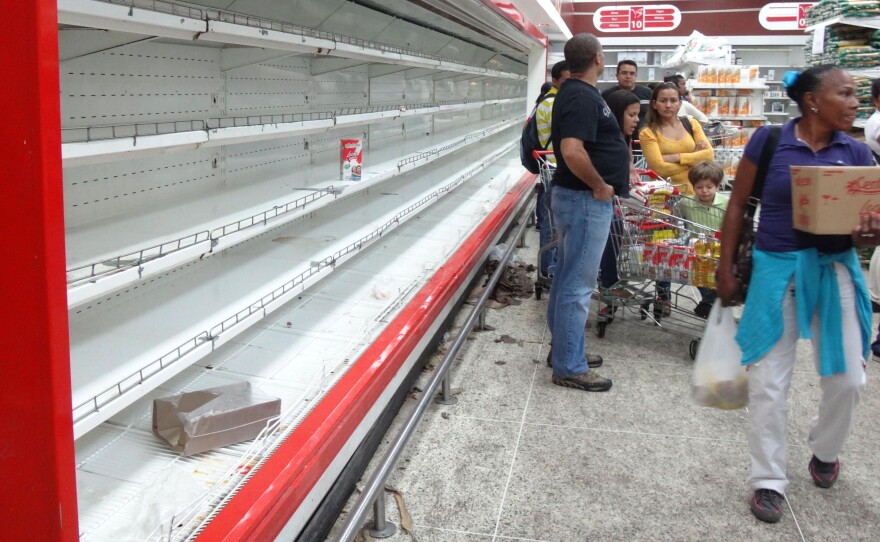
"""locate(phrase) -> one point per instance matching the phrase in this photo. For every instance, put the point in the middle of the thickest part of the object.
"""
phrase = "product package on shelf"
(828, 9)
(863, 93)
(846, 46)
(727, 75)
(352, 157)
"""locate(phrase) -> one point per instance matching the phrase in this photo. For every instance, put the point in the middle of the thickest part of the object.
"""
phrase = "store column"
(537, 75)
(38, 492)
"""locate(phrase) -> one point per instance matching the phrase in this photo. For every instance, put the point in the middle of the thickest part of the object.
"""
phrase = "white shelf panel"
(870, 73)
(232, 216)
(867, 22)
(860, 123)
(735, 117)
(92, 13)
(776, 113)
(127, 345)
(739, 86)
(117, 461)
(253, 32)
(125, 148)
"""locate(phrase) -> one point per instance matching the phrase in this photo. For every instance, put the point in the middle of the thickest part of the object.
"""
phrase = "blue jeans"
(545, 236)
(608, 276)
(582, 225)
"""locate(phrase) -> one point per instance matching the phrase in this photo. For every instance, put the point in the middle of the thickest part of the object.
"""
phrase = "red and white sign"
(649, 18)
(785, 15)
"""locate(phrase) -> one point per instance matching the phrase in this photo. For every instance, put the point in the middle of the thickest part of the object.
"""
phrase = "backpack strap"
(763, 166)
(549, 139)
(688, 127)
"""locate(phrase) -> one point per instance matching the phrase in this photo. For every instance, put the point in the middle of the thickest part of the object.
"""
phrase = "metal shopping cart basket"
(654, 242)
(547, 165)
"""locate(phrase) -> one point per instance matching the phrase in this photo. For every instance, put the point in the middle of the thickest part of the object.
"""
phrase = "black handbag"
(743, 257)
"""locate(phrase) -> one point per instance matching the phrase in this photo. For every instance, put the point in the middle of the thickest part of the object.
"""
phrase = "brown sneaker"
(588, 381)
(593, 360)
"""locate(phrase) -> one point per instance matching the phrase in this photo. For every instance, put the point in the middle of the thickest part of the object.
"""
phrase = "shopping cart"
(654, 243)
(547, 166)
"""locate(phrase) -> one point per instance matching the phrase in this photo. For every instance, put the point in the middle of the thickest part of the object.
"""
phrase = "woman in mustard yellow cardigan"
(668, 147)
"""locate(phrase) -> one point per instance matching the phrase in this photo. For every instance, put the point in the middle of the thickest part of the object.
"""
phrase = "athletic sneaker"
(824, 474)
(593, 360)
(588, 381)
(767, 505)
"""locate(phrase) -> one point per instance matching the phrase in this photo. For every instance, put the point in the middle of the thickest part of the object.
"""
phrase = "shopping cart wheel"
(600, 329)
(692, 349)
(539, 289)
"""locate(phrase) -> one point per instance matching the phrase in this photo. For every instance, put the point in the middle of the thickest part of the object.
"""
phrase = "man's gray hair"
(581, 51)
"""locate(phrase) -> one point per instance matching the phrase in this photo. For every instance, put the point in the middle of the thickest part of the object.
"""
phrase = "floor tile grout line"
(518, 438)
(504, 537)
(794, 517)
(638, 433)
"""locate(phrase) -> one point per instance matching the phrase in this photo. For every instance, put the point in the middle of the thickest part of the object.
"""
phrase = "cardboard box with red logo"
(828, 200)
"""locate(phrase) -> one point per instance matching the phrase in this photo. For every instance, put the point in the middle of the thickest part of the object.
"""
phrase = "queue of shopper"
(591, 134)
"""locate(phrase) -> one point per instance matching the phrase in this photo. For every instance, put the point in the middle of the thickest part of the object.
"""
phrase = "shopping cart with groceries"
(666, 261)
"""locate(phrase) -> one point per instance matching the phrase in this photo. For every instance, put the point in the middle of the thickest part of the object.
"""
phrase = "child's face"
(705, 190)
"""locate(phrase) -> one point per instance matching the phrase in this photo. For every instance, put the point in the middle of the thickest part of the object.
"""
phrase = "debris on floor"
(515, 283)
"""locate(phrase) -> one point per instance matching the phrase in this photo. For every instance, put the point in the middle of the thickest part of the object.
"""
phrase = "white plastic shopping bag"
(719, 379)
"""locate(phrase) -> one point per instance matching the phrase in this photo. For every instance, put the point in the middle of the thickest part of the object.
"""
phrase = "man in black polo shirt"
(627, 73)
(592, 165)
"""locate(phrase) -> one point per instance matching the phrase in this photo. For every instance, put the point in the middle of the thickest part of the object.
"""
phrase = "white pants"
(770, 381)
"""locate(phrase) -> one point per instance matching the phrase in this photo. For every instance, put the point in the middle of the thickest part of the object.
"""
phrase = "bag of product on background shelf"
(719, 378)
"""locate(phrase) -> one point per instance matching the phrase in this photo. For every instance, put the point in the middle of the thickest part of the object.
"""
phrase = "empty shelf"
(128, 344)
(141, 245)
(170, 20)
(297, 354)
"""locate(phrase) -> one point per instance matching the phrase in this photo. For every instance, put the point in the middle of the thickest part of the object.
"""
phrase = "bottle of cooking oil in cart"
(701, 248)
(714, 258)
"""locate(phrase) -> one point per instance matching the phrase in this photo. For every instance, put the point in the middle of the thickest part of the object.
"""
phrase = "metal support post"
(380, 528)
(445, 397)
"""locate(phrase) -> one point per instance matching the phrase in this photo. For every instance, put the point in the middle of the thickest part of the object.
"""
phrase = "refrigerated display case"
(210, 237)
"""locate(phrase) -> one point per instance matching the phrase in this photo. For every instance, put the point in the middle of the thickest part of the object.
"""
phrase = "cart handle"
(539, 154)
(650, 173)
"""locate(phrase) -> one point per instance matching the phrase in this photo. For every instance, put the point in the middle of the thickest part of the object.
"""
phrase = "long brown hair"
(652, 119)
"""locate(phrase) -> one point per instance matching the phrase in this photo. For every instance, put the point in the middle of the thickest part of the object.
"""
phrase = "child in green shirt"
(706, 208)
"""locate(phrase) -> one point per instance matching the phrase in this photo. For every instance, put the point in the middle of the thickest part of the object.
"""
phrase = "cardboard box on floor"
(203, 420)
(828, 200)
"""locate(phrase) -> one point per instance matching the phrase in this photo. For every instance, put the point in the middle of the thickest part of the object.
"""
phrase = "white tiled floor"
(518, 459)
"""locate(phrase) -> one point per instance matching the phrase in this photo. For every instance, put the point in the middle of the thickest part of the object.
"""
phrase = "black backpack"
(529, 142)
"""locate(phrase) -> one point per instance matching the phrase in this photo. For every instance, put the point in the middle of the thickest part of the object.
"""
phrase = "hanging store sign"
(785, 15)
(650, 18)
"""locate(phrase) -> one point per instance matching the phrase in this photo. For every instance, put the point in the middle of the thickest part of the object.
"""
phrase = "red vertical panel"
(38, 487)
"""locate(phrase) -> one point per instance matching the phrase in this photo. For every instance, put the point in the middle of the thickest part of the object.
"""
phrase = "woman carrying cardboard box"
(821, 271)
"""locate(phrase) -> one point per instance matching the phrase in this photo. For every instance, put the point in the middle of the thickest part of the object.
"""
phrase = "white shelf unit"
(209, 237)
(732, 93)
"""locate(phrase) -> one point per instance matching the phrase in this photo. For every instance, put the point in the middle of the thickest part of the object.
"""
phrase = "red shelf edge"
(261, 509)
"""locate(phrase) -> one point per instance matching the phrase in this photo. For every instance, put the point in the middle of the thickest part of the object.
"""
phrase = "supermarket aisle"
(520, 459)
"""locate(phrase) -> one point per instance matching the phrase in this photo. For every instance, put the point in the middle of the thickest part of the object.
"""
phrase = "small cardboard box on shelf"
(828, 200)
(203, 420)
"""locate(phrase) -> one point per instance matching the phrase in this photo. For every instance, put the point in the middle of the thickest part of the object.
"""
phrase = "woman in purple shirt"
(821, 271)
